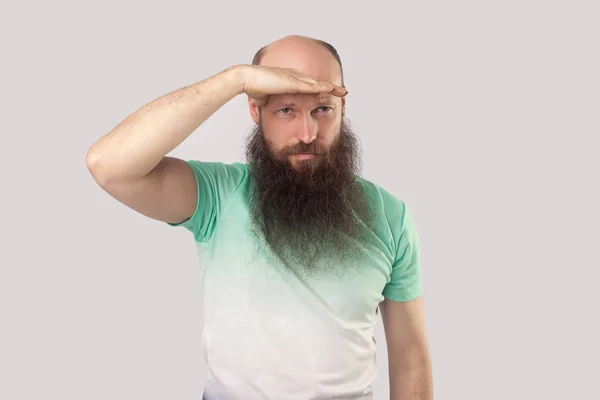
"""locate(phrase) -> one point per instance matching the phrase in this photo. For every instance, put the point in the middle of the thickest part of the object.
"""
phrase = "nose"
(307, 131)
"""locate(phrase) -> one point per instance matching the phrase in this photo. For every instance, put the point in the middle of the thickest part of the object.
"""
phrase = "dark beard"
(312, 216)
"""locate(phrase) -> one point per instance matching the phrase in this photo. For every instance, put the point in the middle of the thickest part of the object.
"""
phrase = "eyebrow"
(322, 101)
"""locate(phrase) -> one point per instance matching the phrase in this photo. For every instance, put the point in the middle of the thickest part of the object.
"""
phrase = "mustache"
(304, 148)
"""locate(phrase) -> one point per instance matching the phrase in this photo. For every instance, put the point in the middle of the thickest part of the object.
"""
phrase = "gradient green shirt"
(269, 334)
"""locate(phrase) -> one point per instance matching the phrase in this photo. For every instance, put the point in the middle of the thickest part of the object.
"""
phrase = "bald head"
(312, 57)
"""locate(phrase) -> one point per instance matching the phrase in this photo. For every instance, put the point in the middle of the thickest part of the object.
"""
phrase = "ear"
(254, 110)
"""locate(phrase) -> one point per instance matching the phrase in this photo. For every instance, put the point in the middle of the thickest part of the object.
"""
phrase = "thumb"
(261, 101)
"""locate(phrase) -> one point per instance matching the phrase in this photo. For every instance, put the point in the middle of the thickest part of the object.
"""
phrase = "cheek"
(329, 131)
(278, 130)
(276, 137)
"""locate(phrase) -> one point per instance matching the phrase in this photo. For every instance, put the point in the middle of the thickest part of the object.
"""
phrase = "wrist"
(237, 76)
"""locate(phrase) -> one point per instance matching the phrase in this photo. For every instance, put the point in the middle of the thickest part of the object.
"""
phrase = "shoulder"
(392, 220)
(384, 202)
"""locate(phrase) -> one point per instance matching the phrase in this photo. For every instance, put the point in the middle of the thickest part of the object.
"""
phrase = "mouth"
(303, 156)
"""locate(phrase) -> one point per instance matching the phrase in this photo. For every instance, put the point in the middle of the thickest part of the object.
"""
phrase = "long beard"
(310, 216)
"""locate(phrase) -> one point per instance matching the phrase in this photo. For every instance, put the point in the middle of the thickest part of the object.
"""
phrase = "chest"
(239, 277)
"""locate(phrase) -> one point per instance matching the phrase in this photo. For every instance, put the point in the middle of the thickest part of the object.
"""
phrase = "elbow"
(91, 159)
(94, 164)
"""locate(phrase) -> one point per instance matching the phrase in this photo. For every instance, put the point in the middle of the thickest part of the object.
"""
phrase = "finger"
(299, 75)
(339, 91)
(306, 79)
(318, 87)
(325, 87)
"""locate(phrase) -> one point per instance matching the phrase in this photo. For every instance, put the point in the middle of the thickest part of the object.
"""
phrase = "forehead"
(308, 58)
(301, 99)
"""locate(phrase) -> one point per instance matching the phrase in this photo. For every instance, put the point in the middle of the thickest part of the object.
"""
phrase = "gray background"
(482, 116)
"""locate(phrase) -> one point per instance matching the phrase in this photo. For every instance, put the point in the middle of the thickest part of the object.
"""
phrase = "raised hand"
(261, 81)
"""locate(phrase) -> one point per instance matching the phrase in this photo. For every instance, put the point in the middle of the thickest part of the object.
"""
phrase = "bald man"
(299, 253)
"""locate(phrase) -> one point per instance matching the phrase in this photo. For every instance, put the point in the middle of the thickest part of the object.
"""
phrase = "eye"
(324, 108)
(284, 110)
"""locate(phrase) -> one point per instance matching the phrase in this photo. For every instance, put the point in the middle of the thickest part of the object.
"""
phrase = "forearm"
(135, 146)
(411, 383)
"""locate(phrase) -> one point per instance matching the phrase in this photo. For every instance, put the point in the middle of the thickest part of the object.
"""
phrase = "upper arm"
(191, 193)
(402, 309)
(168, 193)
(405, 332)
(405, 278)
(216, 183)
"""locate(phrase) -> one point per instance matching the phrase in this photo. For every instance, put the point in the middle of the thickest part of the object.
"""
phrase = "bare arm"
(130, 162)
(410, 369)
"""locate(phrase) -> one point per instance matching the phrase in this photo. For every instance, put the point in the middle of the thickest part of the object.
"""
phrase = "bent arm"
(130, 162)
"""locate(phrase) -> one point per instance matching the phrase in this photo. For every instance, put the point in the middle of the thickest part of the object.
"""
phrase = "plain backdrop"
(484, 117)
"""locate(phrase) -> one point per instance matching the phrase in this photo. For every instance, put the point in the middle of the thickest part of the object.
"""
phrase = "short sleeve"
(216, 184)
(405, 283)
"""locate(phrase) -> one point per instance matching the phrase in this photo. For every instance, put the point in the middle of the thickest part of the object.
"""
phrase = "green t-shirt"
(274, 335)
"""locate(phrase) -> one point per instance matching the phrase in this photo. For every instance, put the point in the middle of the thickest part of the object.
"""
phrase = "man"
(299, 252)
